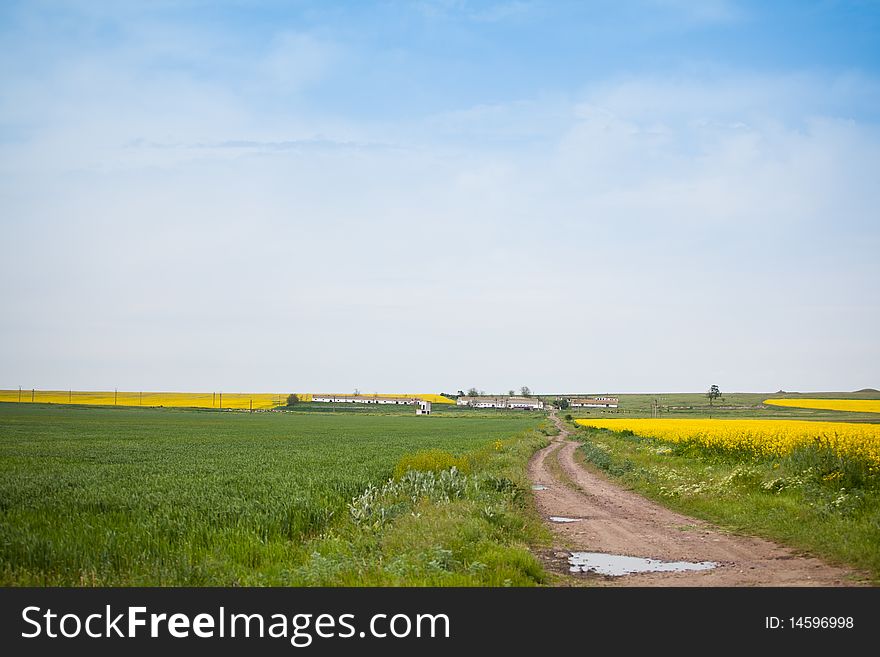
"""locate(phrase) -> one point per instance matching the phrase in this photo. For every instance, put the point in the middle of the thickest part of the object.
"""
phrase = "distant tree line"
(474, 392)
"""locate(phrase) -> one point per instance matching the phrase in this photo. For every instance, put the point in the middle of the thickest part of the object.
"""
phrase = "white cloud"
(690, 223)
(296, 59)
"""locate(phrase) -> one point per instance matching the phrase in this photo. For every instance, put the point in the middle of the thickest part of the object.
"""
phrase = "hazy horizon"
(534, 393)
(310, 196)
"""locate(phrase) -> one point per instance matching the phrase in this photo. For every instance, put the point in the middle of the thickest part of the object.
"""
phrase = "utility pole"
(213, 400)
(655, 408)
(141, 399)
(33, 394)
(69, 396)
(19, 394)
(115, 395)
(221, 401)
(252, 405)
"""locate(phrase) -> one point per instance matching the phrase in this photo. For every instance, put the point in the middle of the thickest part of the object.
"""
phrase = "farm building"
(481, 402)
(501, 402)
(424, 407)
(594, 402)
(363, 399)
(524, 402)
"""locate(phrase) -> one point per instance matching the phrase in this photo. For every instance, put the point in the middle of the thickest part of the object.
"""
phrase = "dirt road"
(610, 519)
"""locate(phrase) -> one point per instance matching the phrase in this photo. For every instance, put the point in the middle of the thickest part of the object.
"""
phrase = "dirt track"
(617, 521)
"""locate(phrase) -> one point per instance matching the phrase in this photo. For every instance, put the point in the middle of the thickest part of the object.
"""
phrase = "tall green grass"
(102, 496)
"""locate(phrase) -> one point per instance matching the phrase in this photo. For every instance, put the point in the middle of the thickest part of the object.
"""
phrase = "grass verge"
(438, 527)
(810, 500)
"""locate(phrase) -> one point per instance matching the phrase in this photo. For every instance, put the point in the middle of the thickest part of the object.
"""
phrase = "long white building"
(529, 403)
(364, 399)
(594, 402)
(525, 402)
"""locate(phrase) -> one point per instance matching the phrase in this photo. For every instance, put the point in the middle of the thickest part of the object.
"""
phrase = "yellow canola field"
(762, 437)
(436, 399)
(858, 405)
(175, 399)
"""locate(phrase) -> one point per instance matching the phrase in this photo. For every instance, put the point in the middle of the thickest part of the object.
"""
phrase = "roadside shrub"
(377, 505)
(597, 455)
(430, 460)
(832, 468)
(503, 485)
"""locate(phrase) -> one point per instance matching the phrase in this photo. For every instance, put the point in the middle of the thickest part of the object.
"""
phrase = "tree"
(713, 394)
(460, 393)
(510, 393)
(472, 392)
(292, 399)
(562, 403)
(525, 392)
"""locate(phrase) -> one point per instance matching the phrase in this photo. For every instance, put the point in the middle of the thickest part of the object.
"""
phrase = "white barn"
(525, 402)
(482, 402)
(501, 402)
(594, 402)
(363, 399)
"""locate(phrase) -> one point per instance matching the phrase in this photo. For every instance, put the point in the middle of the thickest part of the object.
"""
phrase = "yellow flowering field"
(239, 400)
(176, 399)
(763, 437)
(436, 399)
(858, 405)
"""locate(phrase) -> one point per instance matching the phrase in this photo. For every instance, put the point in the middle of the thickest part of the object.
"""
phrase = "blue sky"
(605, 196)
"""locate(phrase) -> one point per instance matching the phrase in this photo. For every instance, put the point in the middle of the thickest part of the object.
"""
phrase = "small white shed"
(424, 407)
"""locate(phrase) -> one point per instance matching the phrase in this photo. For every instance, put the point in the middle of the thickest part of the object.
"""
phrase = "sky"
(617, 196)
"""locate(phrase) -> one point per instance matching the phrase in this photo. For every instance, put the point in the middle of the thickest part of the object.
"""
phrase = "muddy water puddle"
(616, 565)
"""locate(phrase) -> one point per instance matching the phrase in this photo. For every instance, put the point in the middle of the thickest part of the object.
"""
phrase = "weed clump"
(430, 460)
(378, 504)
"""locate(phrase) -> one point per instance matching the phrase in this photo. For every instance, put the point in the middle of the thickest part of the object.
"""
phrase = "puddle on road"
(563, 519)
(539, 487)
(616, 565)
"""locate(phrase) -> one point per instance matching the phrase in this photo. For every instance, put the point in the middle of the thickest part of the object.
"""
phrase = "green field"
(732, 405)
(126, 496)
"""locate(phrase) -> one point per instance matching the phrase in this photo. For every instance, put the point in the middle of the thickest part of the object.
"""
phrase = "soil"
(614, 520)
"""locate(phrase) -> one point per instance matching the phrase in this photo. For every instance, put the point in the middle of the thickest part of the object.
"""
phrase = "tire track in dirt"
(614, 520)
